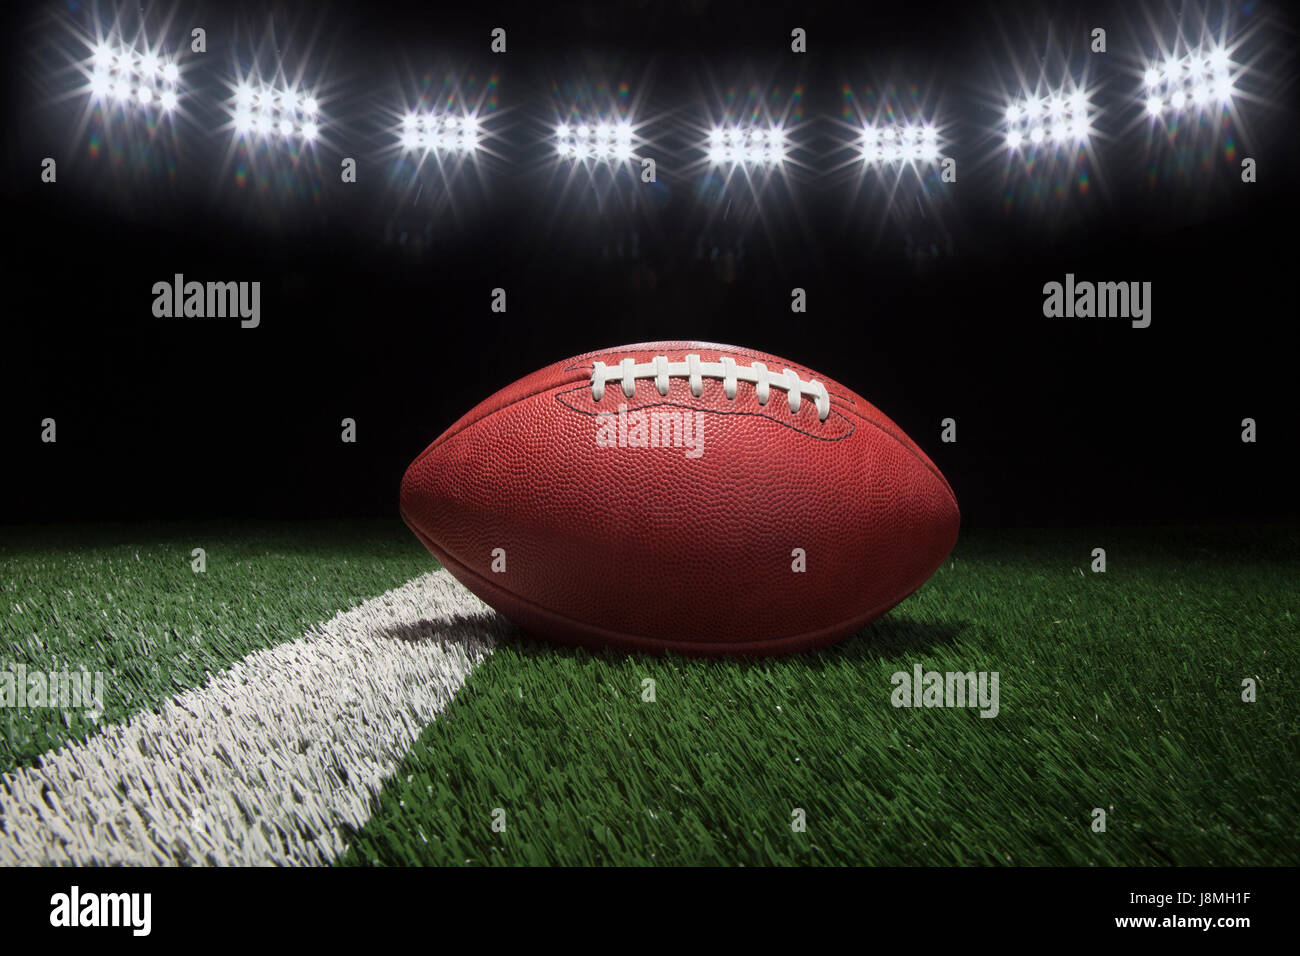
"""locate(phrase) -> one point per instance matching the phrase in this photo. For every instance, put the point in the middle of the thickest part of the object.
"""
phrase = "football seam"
(921, 458)
(847, 398)
(715, 411)
(465, 426)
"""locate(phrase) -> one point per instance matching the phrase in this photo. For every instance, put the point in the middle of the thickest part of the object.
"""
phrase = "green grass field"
(1120, 691)
(124, 600)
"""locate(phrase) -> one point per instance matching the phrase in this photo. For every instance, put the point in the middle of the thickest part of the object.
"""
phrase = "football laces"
(696, 371)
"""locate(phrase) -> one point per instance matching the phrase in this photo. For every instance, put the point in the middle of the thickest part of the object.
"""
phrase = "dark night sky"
(925, 298)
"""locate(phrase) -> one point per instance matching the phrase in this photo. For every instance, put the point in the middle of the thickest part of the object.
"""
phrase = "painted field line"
(263, 763)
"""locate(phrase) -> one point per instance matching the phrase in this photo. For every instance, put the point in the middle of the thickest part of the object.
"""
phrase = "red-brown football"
(682, 496)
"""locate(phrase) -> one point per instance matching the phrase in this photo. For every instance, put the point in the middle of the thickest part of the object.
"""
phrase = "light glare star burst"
(264, 111)
(752, 145)
(124, 75)
(602, 141)
(1201, 80)
(894, 144)
(1061, 119)
(439, 131)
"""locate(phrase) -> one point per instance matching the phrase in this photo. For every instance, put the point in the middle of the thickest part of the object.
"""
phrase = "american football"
(340, 525)
(682, 496)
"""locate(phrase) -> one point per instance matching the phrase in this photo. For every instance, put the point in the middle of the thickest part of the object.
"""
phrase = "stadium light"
(1060, 119)
(265, 111)
(444, 132)
(753, 145)
(602, 140)
(126, 76)
(1199, 81)
(888, 145)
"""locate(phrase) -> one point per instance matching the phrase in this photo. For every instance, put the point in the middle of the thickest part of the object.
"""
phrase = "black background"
(925, 298)
(341, 906)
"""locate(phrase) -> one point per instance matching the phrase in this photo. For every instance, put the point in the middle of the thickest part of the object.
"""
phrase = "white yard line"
(265, 762)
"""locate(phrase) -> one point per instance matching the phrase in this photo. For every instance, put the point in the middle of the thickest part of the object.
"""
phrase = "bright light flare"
(1199, 81)
(887, 145)
(605, 140)
(1060, 119)
(747, 145)
(128, 76)
(442, 132)
(266, 111)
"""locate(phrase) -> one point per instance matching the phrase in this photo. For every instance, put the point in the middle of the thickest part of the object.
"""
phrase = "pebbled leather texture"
(650, 548)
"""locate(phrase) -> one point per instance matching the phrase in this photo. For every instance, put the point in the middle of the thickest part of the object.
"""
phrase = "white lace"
(756, 373)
